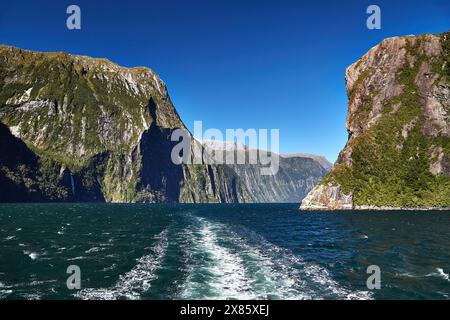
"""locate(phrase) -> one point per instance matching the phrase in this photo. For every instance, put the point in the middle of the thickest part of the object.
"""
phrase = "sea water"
(254, 251)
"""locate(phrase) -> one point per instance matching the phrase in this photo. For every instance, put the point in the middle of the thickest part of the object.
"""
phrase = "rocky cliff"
(398, 151)
(296, 176)
(75, 128)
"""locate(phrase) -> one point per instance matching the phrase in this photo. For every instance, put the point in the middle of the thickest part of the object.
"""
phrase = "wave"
(95, 249)
(4, 293)
(439, 273)
(32, 255)
(215, 272)
(305, 280)
(5, 290)
(443, 274)
(243, 265)
(138, 280)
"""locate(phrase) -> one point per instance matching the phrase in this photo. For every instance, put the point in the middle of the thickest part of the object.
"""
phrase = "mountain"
(295, 178)
(75, 128)
(398, 150)
(320, 159)
(296, 175)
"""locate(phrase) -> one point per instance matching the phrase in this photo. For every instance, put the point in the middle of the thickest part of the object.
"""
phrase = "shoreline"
(372, 208)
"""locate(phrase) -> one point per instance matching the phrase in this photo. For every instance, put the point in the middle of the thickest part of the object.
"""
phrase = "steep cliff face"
(296, 176)
(398, 151)
(82, 129)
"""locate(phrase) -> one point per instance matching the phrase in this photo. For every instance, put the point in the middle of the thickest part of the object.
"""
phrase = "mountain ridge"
(95, 131)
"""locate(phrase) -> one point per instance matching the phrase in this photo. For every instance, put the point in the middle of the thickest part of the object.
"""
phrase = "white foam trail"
(220, 272)
(330, 287)
(223, 271)
(137, 280)
(310, 281)
(261, 271)
(271, 281)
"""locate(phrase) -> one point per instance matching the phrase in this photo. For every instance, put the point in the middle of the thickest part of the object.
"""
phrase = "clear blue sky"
(234, 63)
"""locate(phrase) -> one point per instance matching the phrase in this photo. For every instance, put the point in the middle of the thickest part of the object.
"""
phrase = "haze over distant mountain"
(75, 128)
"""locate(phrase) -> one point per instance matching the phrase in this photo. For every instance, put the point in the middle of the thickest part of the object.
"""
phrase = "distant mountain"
(320, 159)
(296, 176)
(75, 128)
(398, 152)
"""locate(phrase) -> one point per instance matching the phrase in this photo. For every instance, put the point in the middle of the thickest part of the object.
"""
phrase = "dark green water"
(220, 251)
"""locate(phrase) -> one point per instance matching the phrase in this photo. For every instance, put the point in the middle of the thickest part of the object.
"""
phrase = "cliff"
(75, 128)
(398, 150)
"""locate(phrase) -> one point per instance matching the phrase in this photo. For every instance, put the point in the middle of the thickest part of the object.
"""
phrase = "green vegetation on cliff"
(87, 129)
(391, 160)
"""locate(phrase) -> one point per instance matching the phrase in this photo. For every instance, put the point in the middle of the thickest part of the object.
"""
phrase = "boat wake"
(220, 262)
(135, 282)
(225, 264)
(214, 271)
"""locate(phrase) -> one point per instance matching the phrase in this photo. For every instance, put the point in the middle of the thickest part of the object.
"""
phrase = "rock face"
(295, 178)
(398, 151)
(328, 197)
(75, 128)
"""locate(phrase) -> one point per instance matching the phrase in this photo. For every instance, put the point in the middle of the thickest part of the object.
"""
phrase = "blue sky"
(235, 63)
